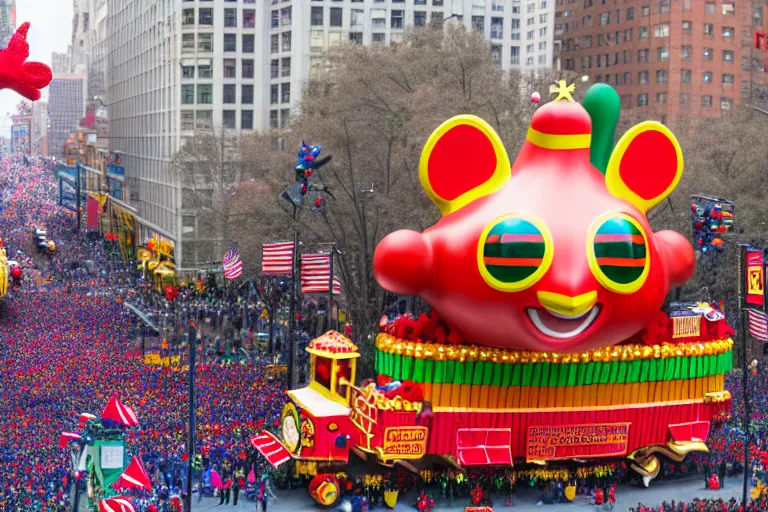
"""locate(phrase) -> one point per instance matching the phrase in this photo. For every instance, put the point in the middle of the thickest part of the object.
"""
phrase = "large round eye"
(514, 252)
(617, 249)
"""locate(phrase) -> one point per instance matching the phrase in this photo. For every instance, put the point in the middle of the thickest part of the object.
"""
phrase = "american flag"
(277, 259)
(315, 274)
(233, 265)
(758, 324)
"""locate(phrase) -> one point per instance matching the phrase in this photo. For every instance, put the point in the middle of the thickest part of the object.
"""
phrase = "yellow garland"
(433, 351)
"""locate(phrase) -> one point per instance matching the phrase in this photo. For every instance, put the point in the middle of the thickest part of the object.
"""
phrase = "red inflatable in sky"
(547, 254)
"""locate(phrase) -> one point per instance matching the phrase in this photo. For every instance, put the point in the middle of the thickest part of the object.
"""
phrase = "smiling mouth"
(559, 326)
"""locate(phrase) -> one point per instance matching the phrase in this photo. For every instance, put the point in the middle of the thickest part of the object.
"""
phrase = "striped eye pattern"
(619, 253)
(514, 252)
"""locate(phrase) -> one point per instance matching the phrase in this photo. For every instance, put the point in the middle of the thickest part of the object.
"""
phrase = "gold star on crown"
(563, 91)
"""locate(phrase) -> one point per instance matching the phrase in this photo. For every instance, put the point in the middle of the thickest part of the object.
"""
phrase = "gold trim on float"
(717, 396)
(648, 466)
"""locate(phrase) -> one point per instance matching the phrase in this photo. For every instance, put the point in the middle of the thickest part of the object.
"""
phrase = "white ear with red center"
(646, 165)
(462, 160)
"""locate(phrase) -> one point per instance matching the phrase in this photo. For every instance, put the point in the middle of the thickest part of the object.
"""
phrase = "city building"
(60, 62)
(40, 128)
(7, 21)
(65, 110)
(691, 58)
(88, 51)
(234, 65)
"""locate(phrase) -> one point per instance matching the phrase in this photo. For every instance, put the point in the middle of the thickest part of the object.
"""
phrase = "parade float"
(547, 341)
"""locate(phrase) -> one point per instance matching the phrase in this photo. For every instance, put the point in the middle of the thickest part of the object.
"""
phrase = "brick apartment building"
(672, 57)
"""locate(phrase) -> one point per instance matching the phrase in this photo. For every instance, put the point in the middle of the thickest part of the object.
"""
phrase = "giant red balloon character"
(547, 254)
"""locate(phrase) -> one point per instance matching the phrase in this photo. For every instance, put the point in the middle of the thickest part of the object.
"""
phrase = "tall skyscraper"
(177, 66)
(690, 58)
(40, 128)
(7, 21)
(65, 110)
(60, 63)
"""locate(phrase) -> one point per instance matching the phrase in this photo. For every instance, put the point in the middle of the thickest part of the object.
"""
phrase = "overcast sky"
(51, 31)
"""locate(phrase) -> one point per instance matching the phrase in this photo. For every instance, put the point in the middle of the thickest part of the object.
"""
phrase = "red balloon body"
(568, 308)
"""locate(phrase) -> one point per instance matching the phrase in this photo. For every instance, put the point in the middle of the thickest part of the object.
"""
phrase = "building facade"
(690, 58)
(7, 21)
(65, 110)
(60, 63)
(176, 66)
(40, 128)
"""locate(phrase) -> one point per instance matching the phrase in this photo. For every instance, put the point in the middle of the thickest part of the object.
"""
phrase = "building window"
(274, 68)
(204, 119)
(645, 10)
(643, 32)
(497, 28)
(285, 93)
(642, 100)
(274, 43)
(643, 55)
(285, 67)
(317, 17)
(285, 118)
(685, 76)
(230, 42)
(642, 77)
(286, 40)
(247, 68)
(664, 7)
(188, 119)
(514, 54)
(728, 79)
(605, 18)
(204, 69)
(188, 42)
(230, 93)
(709, 29)
(246, 119)
(686, 27)
(274, 94)
(188, 94)
(247, 95)
(662, 53)
(707, 77)
(728, 32)
(205, 94)
(661, 76)
(726, 103)
(275, 20)
(686, 52)
(706, 101)
(229, 119)
(630, 13)
(230, 68)
(273, 118)
(378, 38)
(336, 16)
(230, 17)
(205, 42)
(496, 53)
(249, 18)
(661, 98)
(711, 7)
(357, 18)
(286, 16)
(248, 43)
(356, 37)
(708, 53)
(188, 72)
(205, 17)
(661, 30)
(478, 24)
(685, 99)
(397, 19)
(188, 17)
(727, 56)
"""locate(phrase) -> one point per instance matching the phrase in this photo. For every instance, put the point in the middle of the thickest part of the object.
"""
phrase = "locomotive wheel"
(325, 489)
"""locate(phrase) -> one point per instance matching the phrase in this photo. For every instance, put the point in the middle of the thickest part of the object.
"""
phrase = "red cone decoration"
(119, 413)
(119, 504)
(68, 437)
(134, 477)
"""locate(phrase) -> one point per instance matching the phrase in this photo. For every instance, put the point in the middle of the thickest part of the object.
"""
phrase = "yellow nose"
(565, 305)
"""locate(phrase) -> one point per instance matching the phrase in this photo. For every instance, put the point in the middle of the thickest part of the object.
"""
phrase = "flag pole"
(330, 288)
(742, 339)
(292, 313)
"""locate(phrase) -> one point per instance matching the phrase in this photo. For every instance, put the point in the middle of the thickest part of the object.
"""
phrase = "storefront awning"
(272, 449)
(484, 446)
